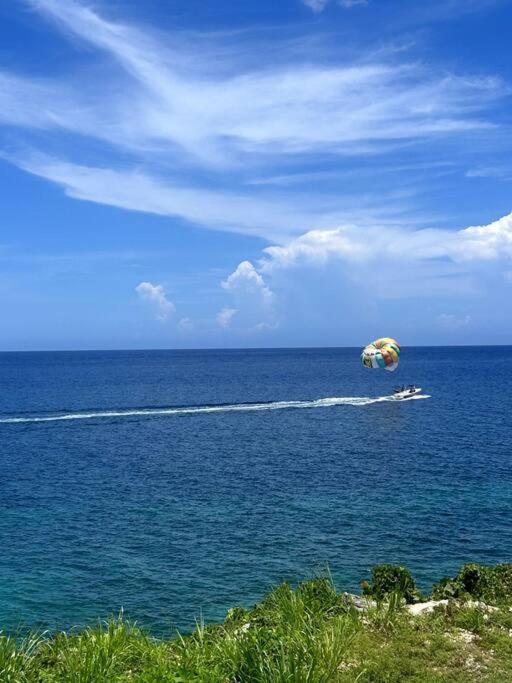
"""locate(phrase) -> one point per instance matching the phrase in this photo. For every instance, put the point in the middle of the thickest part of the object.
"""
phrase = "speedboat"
(401, 393)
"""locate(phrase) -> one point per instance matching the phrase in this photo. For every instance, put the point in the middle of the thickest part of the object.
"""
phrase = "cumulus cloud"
(363, 245)
(225, 316)
(486, 241)
(156, 296)
(185, 325)
(254, 300)
(246, 280)
(342, 272)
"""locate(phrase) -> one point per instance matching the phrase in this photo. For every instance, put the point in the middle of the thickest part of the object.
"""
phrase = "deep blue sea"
(169, 509)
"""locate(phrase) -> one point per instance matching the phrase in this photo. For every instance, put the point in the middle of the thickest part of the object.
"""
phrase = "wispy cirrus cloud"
(352, 3)
(136, 190)
(273, 216)
(354, 108)
(320, 5)
(180, 120)
(500, 172)
(316, 5)
(174, 105)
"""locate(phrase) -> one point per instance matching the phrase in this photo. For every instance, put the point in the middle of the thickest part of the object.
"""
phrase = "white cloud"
(254, 300)
(374, 264)
(320, 5)
(170, 102)
(501, 172)
(138, 191)
(316, 5)
(356, 244)
(225, 316)
(246, 280)
(185, 325)
(155, 294)
(325, 281)
(352, 3)
(264, 327)
(452, 322)
(485, 241)
(485, 172)
(275, 218)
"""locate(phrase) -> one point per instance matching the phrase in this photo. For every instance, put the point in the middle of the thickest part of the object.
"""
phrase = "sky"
(268, 173)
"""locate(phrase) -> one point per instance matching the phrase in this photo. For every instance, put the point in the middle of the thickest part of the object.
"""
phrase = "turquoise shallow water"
(145, 498)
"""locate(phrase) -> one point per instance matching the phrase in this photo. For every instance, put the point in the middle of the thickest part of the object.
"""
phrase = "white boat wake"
(193, 410)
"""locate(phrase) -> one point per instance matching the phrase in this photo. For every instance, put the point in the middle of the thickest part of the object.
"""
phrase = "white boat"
(406, 392)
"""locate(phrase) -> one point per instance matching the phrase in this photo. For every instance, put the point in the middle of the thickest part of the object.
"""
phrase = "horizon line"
(244, 348)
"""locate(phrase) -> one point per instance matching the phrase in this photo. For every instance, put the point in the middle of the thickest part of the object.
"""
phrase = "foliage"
(390, 579)
(491, 584)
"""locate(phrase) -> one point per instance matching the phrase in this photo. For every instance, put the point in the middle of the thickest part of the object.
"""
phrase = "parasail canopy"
(382, 353)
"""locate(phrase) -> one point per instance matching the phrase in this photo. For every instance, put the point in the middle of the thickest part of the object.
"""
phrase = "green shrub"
(447, 588)
(490, 584)
(390, 579)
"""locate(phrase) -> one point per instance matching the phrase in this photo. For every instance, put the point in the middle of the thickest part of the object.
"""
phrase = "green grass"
(306, 634)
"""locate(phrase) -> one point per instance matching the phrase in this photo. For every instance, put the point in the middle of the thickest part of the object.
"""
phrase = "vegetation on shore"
(307, 634)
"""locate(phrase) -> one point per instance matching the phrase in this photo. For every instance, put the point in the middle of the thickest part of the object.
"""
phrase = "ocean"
(177, 484)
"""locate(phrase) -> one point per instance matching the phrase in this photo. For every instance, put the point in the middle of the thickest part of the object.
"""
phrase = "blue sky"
(181, 173)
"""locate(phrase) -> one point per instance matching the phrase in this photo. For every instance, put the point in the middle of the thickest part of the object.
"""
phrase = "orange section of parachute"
(385, 341)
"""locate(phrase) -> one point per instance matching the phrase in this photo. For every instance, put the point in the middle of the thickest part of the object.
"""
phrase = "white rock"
(358, 602)
(425, 607)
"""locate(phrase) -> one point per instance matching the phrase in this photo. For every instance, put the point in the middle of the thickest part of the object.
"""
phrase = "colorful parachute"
(382, 353)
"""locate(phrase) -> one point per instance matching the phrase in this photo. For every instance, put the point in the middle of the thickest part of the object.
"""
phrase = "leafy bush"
(388, 579)
(490, 584)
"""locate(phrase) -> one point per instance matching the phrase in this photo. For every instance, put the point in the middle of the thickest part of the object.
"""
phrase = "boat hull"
(408, 393)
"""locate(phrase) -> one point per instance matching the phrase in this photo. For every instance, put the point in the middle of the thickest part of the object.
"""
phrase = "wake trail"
(193, 410)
